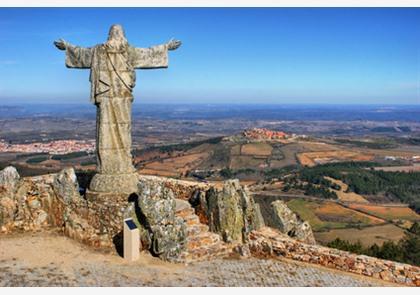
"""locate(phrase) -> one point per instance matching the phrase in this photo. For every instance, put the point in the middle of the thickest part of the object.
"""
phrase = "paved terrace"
(50, 259)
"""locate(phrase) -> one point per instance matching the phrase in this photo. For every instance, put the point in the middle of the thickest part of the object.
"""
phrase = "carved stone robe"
(113, 77)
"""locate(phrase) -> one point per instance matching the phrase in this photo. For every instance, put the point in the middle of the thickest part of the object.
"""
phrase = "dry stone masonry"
(180, 221)
(268, 242)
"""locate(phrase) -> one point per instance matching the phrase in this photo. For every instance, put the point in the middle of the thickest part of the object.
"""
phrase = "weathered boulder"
(24, 203)
(289, 223)
(231, 211)
(7, 213)
(167, 232)
(66, 186)
(9, 181)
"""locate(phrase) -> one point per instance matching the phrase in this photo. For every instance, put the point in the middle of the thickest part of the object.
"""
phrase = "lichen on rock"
(231, 211)
(9, 181)
(66, 186)
(157, 214)
(289, 223)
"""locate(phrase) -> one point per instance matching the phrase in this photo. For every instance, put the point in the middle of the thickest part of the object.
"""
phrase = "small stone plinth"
(131, 240)
(114, 183)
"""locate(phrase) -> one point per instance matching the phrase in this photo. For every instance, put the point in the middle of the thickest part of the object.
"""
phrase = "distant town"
(53, 147)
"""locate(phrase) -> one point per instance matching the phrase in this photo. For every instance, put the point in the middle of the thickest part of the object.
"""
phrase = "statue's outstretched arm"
(61, 44)
(173, 44)
(76, 57)
(154, 57)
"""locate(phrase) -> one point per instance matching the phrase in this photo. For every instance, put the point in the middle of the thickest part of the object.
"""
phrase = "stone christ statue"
(112, 75)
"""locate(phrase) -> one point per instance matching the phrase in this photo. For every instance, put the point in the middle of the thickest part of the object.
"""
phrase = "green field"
(324, 216)
(36, 160)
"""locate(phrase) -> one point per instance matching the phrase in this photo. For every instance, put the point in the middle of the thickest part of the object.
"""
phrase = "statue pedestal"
(105, 213)
(114, 183)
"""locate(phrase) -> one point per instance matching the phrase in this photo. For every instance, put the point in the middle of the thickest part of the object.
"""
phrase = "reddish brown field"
(343, 196)
(367, 236)
(399, 168)
(256, 149)
(387, 212)
(335, 212)
(176, 166)
(313, 158)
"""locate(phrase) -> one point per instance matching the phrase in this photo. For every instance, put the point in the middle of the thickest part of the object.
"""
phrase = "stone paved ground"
(49, 259)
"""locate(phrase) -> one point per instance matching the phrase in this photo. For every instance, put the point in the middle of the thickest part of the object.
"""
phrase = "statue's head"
(116, 36)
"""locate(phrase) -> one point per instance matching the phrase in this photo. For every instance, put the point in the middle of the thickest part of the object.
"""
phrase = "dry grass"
(313, 158)
(333, 211)
(159, 172)
(399, 168)
(305, 160)
(387, 212)
(388, 152)
(367, 236)
(239, 162)
(174, 166)
(346, 197)
(247, 182)
(315, 146)
(330, 215)
(235, 150)
(256, 149)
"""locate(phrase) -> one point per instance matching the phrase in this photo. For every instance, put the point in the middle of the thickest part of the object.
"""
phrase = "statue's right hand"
(60, 44)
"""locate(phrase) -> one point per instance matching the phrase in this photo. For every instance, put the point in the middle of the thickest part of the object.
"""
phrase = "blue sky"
(229, 55)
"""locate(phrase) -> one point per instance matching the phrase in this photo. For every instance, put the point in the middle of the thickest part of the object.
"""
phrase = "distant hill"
(255, 152)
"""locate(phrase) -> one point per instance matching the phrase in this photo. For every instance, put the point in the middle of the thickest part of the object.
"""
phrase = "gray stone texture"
(112, 75)
(231, 211)
(289, 223)
(157, 209)
(267, 242)
(9, 179)
(41, 202)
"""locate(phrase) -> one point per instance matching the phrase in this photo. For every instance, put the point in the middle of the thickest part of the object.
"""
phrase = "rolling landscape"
(206, 146)
(359, 185)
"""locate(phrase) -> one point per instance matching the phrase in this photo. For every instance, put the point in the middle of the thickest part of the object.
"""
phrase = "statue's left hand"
(173, 44)
(60, 44)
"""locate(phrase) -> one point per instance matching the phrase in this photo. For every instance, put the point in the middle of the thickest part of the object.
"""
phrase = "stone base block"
(101, 197)
(118, 183)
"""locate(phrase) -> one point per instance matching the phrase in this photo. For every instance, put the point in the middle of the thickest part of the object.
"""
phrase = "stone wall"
(182, 189)
(268, 242)
(96, 219)
(35, 203)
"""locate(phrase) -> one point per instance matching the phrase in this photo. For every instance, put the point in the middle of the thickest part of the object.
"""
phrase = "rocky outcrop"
(171, 228)
(230, 211)
(289, 223)
(37, 202)
(24, 203)
(268, 242)
(9, 180)
(157, 214)
(65, 185)
(182, 189)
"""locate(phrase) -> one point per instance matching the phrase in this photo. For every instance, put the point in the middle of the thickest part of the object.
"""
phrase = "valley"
(306, 163)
